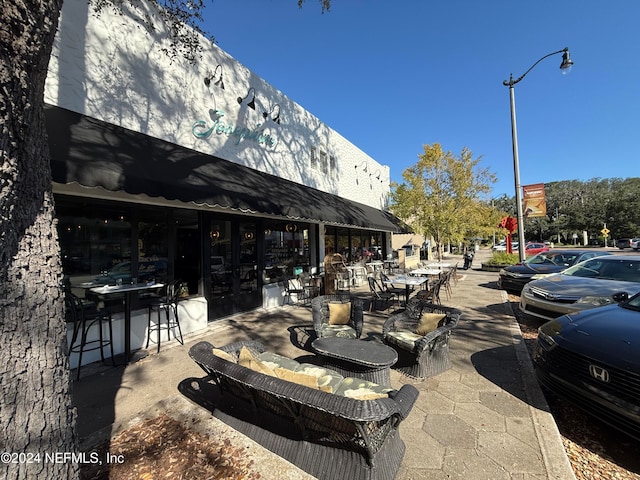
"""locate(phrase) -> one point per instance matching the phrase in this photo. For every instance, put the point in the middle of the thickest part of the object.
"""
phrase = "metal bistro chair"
(391, 287)
(378, 294)
(295, 288)
(446, 282)
(168, 303)
(432, 295)
(84, 316)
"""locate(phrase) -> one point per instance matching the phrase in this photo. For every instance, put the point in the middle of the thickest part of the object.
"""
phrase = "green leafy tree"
(36, 414)
(574, 206)
(441, 197)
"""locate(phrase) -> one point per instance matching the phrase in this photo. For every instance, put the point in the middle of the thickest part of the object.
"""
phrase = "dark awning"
(93, 153)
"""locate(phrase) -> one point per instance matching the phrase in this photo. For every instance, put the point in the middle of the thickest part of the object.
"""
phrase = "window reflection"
(221, 280)
(248, 258)
(153, 250)
(95, 245)
(286, 251)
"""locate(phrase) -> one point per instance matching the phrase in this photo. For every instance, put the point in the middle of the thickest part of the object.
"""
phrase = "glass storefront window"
(187, 252)
(95, 244)
(343, 244)
(153, 250)
(286, 251)
(248, 257)
(221, 261)
(350, 244)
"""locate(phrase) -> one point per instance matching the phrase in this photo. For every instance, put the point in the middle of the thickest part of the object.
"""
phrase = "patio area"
(484, 418)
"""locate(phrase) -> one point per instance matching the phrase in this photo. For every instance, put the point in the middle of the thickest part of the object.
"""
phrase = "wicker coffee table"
(357, 358)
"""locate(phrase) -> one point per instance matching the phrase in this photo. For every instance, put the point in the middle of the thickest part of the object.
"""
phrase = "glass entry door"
(234, 282)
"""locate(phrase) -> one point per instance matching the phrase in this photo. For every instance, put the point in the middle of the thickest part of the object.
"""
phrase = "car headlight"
(502, 272)
(526, 289)
(596, 301)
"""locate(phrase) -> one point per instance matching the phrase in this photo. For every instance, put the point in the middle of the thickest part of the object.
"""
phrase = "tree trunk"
(36, 415)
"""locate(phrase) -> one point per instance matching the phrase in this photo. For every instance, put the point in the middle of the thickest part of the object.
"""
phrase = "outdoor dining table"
(440, 265)
(351, 357)
(376, 264)
(407, 281)
(427, 271)
(128, 291)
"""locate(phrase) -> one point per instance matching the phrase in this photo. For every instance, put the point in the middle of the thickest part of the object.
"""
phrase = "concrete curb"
(555, 458)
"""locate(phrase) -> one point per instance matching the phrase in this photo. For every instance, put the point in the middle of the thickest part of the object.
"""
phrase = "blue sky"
(392, 76)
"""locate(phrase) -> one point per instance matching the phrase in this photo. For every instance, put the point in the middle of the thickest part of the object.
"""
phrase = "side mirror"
(620, 297)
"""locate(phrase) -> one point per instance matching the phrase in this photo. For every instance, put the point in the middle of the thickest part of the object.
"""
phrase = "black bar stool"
(85, 315)
(168, 303)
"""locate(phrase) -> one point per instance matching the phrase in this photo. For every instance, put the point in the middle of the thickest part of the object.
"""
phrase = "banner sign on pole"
(535, 204)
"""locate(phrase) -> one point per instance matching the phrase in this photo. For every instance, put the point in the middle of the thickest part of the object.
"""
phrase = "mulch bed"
(162, 447)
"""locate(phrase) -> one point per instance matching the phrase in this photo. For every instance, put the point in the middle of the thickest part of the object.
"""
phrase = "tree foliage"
(575, 206)
(442, 196)
(326, 4)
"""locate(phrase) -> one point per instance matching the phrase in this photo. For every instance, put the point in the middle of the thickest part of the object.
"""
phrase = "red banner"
(535, 204)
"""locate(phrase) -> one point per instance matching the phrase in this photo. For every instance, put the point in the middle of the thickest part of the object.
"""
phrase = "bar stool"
(84, 316)
(168, 303)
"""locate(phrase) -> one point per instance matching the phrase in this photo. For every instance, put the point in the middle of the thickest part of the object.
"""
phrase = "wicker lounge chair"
(421, 354)
(325, 434)
(326, 317)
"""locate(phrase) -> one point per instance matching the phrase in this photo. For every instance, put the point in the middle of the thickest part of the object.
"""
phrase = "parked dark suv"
(623, 243)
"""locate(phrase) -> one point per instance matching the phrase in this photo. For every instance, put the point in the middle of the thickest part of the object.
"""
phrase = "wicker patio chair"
(337, 316)
(422, 352)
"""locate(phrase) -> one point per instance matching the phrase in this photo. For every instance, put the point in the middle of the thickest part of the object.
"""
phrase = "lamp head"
(567, 63)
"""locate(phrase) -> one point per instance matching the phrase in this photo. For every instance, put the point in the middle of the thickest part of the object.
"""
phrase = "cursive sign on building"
(200, 129)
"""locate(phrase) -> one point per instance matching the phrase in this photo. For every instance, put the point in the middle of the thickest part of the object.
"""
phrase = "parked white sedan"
(502, 246)
(592, 283)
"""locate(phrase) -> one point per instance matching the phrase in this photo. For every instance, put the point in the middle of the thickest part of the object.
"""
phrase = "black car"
(514, 277)
(592, 359)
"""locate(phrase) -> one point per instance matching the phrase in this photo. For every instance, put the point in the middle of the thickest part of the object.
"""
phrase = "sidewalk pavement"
(485, 418)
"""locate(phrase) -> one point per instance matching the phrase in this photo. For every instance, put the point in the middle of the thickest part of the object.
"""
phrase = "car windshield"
(555, 258)
(607, 268)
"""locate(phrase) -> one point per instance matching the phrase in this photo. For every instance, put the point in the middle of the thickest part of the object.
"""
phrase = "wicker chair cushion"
(297, 377)
(224, 355)
(429, 322)
(328, 380)
(249, 360)
(361, 389)
(339, 313)
(344, 331)
(273, 360)
(403, 339)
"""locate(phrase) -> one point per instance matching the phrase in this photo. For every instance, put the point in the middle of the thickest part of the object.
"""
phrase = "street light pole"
(565, 66)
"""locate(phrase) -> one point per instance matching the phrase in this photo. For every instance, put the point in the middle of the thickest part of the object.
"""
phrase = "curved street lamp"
(565, 66)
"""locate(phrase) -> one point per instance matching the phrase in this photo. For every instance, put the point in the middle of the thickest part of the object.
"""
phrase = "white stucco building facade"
(204, 172)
